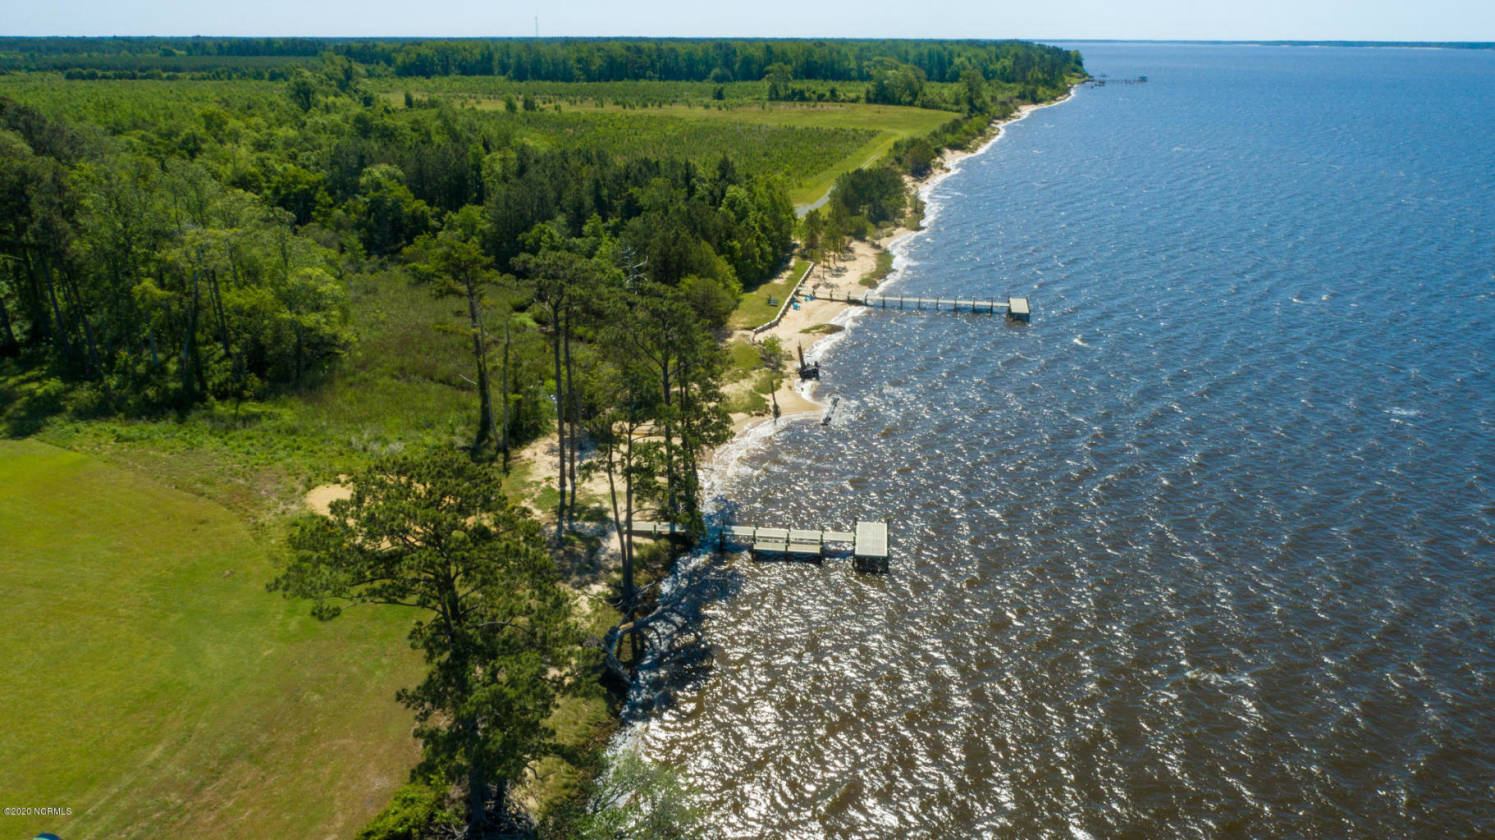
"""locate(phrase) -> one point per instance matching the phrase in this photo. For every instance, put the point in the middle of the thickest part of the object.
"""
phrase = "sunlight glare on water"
(1203, 551)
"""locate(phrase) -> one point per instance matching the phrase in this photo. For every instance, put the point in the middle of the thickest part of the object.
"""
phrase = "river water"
(1206, 549)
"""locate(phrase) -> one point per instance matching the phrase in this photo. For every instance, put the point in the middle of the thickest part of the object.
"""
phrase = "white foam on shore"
(726, 461)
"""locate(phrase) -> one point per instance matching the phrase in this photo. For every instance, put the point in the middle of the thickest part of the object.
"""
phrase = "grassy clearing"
(156, 689)
(181, 698)
(766, 381)
(754, 308)
(890, 123)
(259, 458)
(747, 402)
(895, 118)
(745, 359)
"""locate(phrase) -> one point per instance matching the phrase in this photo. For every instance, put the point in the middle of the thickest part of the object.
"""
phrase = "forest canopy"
(170, 251)
(545, 59)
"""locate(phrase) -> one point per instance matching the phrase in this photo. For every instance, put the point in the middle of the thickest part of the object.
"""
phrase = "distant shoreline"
(1438, 45)
(796, 400)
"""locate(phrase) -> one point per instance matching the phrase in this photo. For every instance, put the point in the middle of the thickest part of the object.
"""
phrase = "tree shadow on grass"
(589, 540)
(28, 400)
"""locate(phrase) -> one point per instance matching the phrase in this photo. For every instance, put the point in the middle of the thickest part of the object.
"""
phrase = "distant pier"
(868, 541)
(1015, 307)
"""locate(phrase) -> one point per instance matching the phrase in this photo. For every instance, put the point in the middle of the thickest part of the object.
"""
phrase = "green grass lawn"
(745, 360)
(157, 690)
(754, 308)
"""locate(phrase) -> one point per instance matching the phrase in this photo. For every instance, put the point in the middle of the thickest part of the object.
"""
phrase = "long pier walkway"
(868, 540)
(1015, 307)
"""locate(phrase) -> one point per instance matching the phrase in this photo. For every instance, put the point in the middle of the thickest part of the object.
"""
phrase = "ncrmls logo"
(47, 836)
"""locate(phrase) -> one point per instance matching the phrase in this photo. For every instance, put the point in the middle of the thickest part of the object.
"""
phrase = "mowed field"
(154, 687)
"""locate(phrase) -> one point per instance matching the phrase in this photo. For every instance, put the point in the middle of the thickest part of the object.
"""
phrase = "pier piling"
(1017, 308)
(868, 541)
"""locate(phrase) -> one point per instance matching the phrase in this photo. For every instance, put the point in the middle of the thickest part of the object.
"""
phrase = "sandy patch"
(321, 497)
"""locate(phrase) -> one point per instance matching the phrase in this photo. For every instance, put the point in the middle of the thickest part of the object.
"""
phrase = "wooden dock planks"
(870, 549)
(1016, 308)
(771, 541)
(805, 543)
(868, 540)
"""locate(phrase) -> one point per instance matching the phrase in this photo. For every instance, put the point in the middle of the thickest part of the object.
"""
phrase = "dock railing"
(868, 540)
(1016, 307)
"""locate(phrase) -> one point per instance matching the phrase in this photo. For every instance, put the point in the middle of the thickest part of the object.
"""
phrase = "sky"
(1351, 20)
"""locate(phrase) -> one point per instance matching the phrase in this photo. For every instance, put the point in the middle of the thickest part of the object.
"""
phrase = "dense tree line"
(150, 45)
(271, 59)
(561, 59)
(608, 60)
(150, 278)
(204, 256)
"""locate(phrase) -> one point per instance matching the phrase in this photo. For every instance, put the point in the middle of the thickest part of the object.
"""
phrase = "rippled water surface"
(1206, 549)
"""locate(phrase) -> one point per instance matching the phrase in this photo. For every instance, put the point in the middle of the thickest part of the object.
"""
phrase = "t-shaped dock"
(868, 540)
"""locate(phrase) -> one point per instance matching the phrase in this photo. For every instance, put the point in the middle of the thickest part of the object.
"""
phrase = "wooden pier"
(868, 541)
(1102, 81)
(1015, 307)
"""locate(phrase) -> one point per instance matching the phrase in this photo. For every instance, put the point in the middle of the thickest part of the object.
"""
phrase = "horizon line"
(1356, 42)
